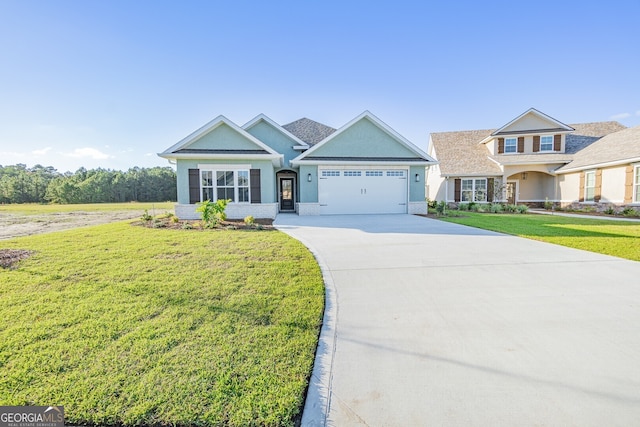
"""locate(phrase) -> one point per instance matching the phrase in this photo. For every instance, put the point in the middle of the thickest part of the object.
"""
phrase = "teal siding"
(363, 138)
(417, 189)
(308, 190)
(276, 140)
(224, 137)
(267, 177)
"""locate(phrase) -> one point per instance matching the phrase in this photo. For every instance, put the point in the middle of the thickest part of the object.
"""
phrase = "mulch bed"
(229, 224)
(10, 257)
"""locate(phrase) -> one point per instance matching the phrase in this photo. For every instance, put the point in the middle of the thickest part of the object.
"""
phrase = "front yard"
(129, 325)
(617, 238)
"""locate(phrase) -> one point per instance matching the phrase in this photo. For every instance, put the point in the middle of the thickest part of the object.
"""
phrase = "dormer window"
(546, 143)
(510, 145)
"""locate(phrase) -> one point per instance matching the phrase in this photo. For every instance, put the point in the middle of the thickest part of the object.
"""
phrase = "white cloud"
(41, 152)
(149, 154)
(620, 116)
(88, 152)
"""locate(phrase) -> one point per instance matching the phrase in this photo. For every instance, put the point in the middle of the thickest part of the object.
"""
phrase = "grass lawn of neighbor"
(127, 325)
(617, 238)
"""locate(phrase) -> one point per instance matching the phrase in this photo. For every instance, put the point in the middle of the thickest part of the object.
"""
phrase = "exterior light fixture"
(417, 177)
(524, 176)
(308, 177)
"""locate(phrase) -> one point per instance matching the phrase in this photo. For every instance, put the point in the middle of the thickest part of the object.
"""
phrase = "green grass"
(617, 238)
(38, 209)
(137, 326)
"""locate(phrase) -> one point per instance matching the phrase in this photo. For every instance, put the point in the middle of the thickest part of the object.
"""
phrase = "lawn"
(617, 238)
(126, 325)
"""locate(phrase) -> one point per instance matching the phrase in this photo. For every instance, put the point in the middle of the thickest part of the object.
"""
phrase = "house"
(534, 159)
(304, 166)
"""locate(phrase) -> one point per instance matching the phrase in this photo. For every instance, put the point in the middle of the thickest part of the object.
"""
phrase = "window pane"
(243, 178)
(207, 193)
(207, 178)
(546, 143)
(510, 145)
(225, 193)
(481, 184)
(590, 179)
(466, 196)
(589, 194)
(467, 184)
(637, 174)
(243, 194)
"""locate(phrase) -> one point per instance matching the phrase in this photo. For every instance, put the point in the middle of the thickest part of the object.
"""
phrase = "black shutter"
(254, 181)
(456, 189)
(194, 186)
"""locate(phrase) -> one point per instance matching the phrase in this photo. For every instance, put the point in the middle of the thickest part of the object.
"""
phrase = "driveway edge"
(318, 399)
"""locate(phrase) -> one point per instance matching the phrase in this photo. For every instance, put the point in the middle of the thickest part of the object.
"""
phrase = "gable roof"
(420, 156)
(309, 131)
(263, 118)
(553, 125)
(615, 148)
(181, 148)
(462, 154)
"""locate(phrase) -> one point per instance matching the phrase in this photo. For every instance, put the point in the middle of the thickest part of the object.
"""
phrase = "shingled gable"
(299, 143)
(414, 154)
(249, 146)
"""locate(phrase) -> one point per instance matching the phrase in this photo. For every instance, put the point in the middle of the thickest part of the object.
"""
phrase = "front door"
(286, 194)
(511, 192)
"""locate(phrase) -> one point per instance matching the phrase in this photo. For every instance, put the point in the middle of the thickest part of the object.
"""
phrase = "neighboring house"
(535, 158)
(304, 167)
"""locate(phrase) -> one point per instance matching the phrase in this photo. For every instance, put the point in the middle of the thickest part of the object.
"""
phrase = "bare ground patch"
(16, 225)
(10, 257)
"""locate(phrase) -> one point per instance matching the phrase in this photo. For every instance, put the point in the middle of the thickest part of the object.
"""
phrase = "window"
(352, 173)
(473, 190)
(330, 173)
(589, 186)
(546, 143)
(395, 173)
(510, 145)
(636, 184)
(373, 173)
(233, 185)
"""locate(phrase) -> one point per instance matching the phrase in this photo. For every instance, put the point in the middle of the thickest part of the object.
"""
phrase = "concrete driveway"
(430, 323)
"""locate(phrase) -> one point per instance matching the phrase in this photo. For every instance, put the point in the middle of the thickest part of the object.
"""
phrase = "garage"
(362, 191)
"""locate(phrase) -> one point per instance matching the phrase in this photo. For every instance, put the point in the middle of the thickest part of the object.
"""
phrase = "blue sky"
(109, 84)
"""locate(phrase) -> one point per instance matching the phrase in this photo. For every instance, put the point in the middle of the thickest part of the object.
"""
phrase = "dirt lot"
(16, 225)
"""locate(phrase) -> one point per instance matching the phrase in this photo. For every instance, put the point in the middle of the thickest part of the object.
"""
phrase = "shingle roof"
(309, 131)
(460, 153)
(617, 146)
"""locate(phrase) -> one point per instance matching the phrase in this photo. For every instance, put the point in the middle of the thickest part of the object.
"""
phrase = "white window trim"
(474, 191)
(552, 142)
(586, 173)
(222, 168)
(515, 146)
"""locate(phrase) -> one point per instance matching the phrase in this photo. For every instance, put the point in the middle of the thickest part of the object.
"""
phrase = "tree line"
(44, 184)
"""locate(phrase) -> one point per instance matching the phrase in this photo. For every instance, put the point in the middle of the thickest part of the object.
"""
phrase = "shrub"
(212, 212)
(511, 208)
(249, 220)
(432, 203)
(146, 217)
(187, 225)
(610, 210)
(522, 209)
(496, 208)
(628, 211)
(441, 207)
(547, 204)
(463, 207)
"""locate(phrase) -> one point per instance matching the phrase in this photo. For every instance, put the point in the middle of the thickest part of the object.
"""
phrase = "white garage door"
(362, 191)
